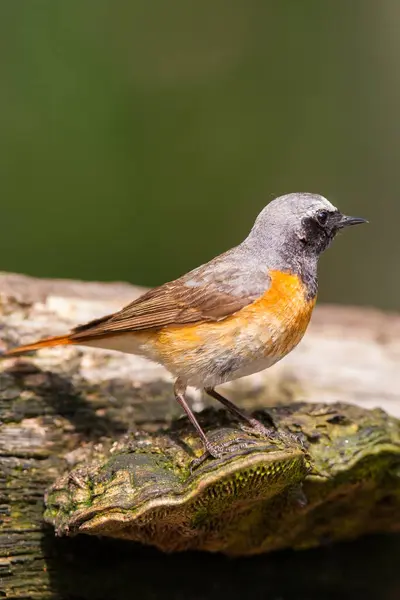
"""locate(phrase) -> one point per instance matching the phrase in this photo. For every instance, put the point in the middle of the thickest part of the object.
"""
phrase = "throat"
(294, 260)
(309, 277)
(305, 267)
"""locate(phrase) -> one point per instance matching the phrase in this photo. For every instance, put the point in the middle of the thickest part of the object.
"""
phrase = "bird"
(238, 314)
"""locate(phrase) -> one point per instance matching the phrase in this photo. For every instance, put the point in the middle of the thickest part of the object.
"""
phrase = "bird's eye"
(322, 216)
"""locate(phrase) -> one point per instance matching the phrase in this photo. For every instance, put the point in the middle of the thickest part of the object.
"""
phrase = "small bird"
(236, 315)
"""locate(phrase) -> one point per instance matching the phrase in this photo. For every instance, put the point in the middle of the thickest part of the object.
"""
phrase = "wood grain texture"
(55, 407)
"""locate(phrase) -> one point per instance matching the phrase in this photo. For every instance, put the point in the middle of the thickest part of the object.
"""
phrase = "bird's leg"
(179, 391)
(253, 423)
(214, 450)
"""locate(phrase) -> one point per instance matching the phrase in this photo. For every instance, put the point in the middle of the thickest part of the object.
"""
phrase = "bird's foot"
(222, 449)
(254, 426)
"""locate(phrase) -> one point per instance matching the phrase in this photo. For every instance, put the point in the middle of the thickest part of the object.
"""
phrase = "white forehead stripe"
(328, 204)
(321, 204)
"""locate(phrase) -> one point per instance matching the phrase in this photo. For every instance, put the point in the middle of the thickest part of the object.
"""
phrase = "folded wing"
(211, 292)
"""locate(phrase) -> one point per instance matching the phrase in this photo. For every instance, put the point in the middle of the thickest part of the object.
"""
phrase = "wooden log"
(56, 406)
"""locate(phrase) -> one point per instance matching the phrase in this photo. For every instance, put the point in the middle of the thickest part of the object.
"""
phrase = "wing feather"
(211, 292)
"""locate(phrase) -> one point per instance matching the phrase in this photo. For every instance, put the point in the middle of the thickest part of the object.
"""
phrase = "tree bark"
(55, 407)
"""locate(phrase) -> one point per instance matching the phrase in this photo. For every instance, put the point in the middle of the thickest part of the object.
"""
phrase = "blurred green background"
(139, 139)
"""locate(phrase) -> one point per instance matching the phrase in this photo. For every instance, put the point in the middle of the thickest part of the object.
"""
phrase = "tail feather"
(60, 340)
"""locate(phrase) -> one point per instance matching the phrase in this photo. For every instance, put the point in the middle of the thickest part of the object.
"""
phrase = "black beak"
(347, 221)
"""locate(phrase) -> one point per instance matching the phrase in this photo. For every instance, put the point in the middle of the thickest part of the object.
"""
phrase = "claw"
(219, 450)
(257, 427)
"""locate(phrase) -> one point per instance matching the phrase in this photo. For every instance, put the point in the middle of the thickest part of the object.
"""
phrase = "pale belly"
(206, 365)
(207, 354)
(220, 357)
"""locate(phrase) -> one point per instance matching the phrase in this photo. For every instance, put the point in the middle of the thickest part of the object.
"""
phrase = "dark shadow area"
(57, 395)
(84, 568)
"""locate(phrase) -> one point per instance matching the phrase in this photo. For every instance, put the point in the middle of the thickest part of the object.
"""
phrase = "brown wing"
(210, 293)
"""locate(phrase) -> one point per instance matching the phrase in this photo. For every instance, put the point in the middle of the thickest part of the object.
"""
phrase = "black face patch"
(320, 229)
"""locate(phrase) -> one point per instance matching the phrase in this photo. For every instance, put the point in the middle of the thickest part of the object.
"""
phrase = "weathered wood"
(55, 407)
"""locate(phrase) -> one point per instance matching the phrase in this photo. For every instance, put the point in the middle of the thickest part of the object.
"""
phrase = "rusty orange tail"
(60, 340)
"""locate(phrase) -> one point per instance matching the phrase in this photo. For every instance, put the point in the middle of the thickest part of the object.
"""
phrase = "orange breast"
(269, 328)
(286, 306)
